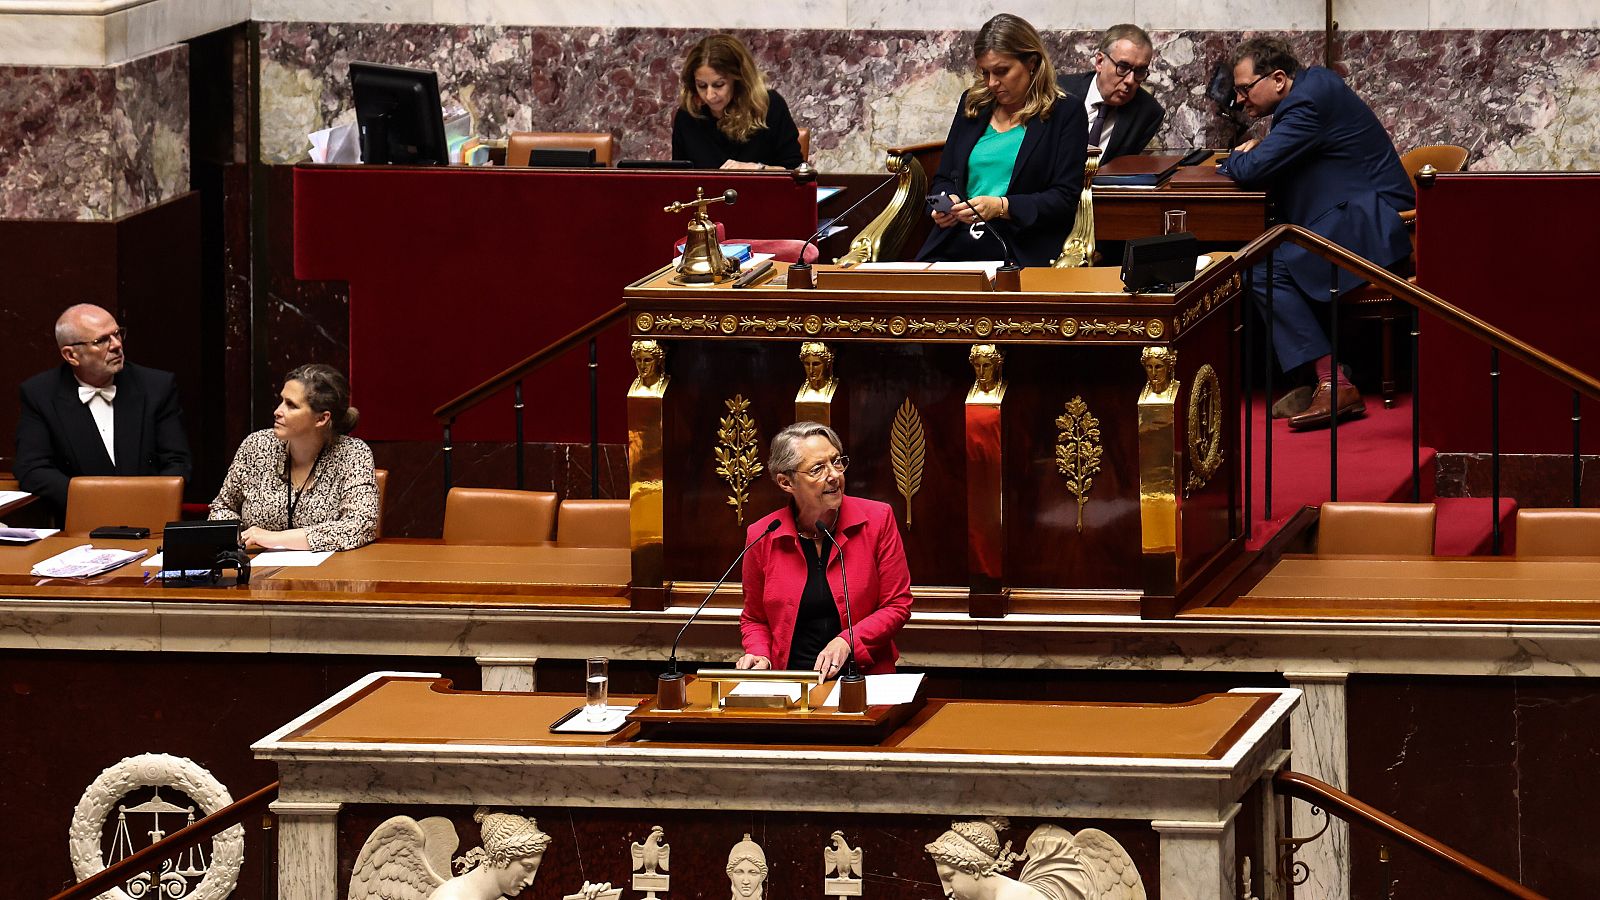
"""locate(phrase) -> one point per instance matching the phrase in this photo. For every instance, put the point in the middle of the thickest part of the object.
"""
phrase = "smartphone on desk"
(120, 532)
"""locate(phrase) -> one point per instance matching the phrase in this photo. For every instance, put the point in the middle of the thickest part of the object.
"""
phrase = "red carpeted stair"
(1374, 464)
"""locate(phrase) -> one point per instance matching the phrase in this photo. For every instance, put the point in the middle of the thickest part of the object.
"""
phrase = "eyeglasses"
(120, 335)
(1139, 73)
(1243, 93)
(820, 470)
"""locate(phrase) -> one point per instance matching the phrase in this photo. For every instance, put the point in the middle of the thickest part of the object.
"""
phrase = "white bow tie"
(86, 394)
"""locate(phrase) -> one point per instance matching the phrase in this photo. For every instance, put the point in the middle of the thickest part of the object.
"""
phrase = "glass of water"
(1175, 221)
(596, 682)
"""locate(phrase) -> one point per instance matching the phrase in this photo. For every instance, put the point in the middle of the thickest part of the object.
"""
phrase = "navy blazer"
(57, 439)
(1045, 183)
(1329, 166)
(1137, 121)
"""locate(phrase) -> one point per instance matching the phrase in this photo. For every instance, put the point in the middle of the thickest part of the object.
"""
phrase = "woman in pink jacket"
(794, 586)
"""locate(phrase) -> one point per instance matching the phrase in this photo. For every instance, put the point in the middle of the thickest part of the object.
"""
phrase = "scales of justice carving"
(1056, 864)
(649, 857)
(190, 876)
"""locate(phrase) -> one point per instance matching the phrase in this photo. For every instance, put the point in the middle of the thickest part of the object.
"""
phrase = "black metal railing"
(1419, 300)
(513, 376)
(150, 858)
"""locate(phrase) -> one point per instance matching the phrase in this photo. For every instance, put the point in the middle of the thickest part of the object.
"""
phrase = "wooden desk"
(381, 573)
(1169, 781)
(1215, 215)
(1501, 589)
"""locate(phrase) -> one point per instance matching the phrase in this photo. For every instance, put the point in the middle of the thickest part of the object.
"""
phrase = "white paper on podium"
(269, 558)
(766, 689)
(885, 690)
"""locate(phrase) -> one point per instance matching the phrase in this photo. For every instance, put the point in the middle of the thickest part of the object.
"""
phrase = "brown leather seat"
(148, 501)
(1561, 531)
(382, 477)
(805, 143)
(1376, 529)
(522, 144)
(1370, 302)
(8, 482)
(593, 523)
(494, 516)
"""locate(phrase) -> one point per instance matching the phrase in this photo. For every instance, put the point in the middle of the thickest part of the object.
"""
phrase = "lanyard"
(291, 497)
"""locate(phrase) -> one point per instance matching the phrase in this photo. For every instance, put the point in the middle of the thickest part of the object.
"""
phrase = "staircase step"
(1463, 527)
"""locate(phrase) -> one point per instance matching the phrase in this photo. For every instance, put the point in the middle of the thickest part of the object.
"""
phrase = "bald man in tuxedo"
(96, 413)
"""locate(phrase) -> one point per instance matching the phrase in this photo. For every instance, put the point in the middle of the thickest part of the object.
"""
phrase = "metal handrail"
(1422, 299)
(534, 361)
(1348, 808)
(170, 846)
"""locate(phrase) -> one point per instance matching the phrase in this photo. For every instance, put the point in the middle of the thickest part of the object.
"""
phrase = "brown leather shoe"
(1321, 410)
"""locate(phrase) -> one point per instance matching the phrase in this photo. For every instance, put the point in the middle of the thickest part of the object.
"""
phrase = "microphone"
(804, 266)
(670, 685)
(850, 667)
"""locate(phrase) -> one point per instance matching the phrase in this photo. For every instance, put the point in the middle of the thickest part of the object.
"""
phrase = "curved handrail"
(1348, 808)
(1404, 290)
(169, 846)
(475, 395)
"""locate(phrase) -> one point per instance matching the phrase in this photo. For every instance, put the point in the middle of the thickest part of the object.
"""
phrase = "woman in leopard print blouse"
(304, 484)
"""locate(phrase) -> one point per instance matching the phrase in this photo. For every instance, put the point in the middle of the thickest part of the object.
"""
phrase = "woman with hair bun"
(727, 116)
(304, 484)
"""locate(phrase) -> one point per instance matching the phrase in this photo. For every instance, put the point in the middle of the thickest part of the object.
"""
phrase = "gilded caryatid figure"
(988, 365)
(817, 361)
(1160, 363)
(650, 360)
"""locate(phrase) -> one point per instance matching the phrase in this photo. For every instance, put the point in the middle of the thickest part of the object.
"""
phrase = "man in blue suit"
(1327, 166)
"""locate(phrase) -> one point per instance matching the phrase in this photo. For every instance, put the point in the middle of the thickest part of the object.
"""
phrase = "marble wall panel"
(94, 143)
(1518, 99)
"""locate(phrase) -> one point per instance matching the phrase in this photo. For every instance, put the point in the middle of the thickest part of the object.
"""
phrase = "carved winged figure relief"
(841, 858)
(1059, 865)
(404, 859)
(651, 856)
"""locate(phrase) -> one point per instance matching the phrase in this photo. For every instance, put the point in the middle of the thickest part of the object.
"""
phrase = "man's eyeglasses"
(1243, 93)
(820, 470)
(1124, 69)
(120, 335)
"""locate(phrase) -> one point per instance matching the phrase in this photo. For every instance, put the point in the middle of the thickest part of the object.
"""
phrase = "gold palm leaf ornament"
(907, 451)
(1078, 451)
(736, 453)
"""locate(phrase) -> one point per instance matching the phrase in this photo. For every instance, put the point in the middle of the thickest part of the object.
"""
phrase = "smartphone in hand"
(940, 203)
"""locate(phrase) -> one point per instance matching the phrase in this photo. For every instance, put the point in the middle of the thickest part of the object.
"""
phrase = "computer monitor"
(397, 111)
(561, 157)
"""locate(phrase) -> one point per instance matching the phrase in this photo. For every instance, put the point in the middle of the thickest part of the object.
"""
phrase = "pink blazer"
(880, 584)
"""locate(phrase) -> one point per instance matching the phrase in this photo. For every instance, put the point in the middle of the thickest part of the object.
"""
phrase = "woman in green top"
(1014, 158)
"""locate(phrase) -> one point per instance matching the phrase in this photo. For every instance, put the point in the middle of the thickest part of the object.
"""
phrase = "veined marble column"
(1197, 859)
(1320, 744)
(308, 850)
(509, 673)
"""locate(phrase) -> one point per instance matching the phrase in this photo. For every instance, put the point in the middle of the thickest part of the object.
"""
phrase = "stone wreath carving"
(157, 770)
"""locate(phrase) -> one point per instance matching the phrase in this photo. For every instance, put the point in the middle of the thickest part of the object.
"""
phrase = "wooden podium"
(1066, 447)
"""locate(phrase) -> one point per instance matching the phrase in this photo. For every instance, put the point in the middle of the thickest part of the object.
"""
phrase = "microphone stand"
(1009, 276)
(852, 684)
(672, 692)
(800, 273)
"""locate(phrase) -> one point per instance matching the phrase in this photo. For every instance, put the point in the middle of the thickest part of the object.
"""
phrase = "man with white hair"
(96, 413)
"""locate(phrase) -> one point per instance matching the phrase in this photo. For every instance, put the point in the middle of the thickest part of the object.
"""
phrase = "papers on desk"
(269, 558)
(762, 690)
(987, 267)
(13, 496)
(885, 690)
(84, 562)
(24, 535)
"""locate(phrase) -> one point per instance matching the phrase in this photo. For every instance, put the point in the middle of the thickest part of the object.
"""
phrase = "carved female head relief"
(747, 869)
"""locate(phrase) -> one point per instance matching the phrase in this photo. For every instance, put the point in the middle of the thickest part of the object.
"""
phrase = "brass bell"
(703, 262)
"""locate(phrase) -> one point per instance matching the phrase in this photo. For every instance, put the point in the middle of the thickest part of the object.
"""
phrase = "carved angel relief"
(404, 859)
(1056, 864)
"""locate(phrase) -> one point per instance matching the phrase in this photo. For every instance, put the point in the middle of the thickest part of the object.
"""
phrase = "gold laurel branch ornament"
(736, 453)
(1205, 428)
(1078, 451)
(908, 451)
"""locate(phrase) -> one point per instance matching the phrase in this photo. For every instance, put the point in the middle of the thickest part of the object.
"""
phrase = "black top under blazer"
(699, 140)
(1044, 189)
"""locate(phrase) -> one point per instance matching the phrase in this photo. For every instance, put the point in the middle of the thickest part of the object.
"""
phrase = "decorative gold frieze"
(1071, 328)
(1204, 428)
(907, 452)
(897, 326)
(1205, 304)
(736, 453)
(1078, 451)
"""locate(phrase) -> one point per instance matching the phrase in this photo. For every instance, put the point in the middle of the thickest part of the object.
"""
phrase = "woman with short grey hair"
(794, 614)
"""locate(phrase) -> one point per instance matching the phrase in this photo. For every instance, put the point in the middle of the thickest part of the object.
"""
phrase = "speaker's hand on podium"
(752, 661)
(831, 660)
